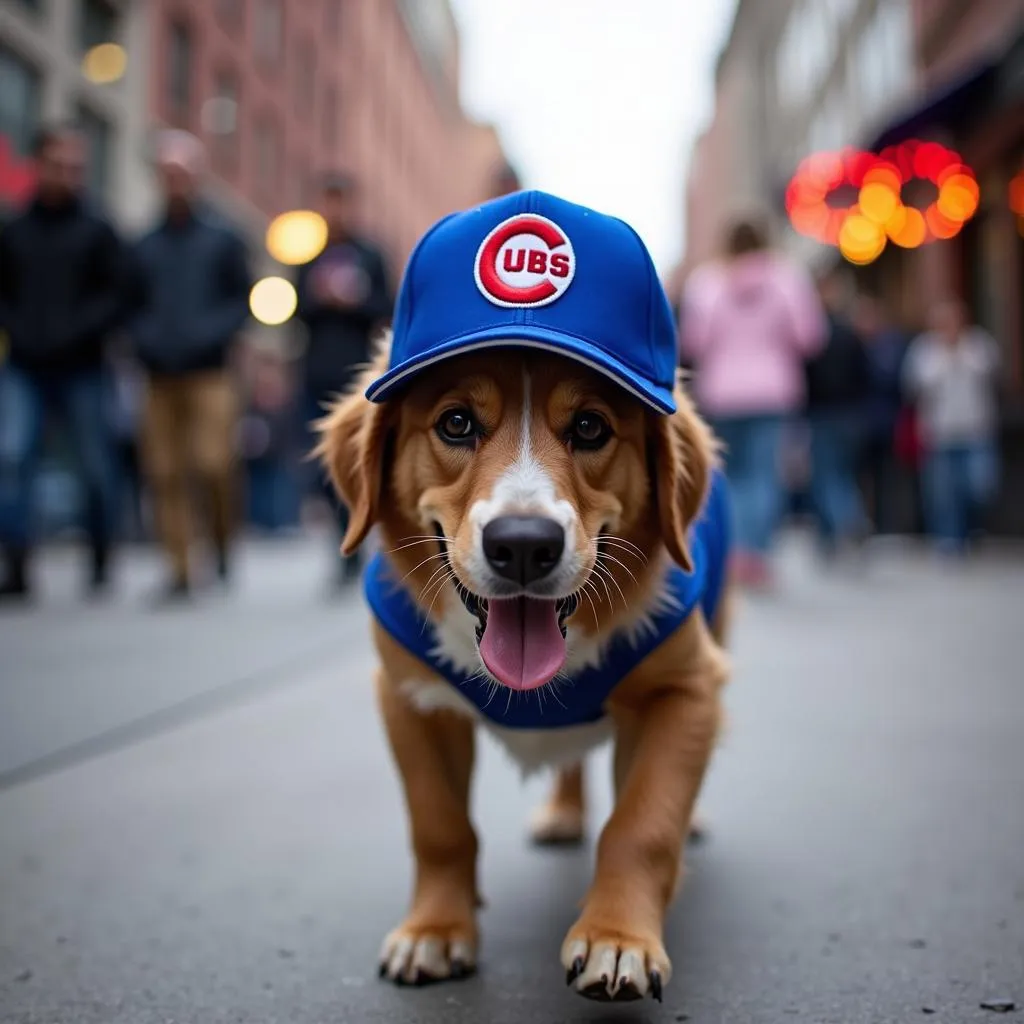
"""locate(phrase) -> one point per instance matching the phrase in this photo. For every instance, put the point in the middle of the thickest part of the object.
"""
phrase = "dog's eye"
(590, 430)
(457, 426)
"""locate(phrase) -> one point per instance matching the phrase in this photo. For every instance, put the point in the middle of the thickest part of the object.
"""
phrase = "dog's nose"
(523, 549)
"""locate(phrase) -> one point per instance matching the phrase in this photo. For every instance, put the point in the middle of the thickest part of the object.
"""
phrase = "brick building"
(283, 90)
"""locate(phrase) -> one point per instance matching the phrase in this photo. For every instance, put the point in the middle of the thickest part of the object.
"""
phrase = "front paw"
(420, 954)
(614, 964)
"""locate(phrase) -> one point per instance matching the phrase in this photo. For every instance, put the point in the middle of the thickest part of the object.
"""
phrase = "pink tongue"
(522, 645)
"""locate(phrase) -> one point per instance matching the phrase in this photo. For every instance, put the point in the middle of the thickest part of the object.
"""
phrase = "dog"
(553, 531)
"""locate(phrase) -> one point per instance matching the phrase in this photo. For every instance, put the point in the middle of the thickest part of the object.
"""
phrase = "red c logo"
(525, 261)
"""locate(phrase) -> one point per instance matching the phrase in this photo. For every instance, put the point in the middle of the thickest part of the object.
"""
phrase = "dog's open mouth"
(521, 639)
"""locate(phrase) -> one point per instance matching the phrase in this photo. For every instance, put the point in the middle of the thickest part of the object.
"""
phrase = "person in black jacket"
(61, 296)
(191, 301)
(344, 298)
(838, 382)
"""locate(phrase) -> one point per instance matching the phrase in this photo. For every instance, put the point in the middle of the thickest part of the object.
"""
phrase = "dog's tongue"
(522, 645)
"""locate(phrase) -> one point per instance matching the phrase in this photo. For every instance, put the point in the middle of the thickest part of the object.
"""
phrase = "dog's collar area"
(477, 605)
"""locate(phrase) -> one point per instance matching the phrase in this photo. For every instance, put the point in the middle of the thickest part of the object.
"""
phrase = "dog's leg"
(561, 818)
(667, 730)
(434, 753)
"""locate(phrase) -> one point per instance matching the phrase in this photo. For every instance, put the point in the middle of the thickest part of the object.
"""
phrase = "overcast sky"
(598, 100)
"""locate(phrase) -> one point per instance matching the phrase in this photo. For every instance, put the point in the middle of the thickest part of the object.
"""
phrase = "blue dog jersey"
(580, 700)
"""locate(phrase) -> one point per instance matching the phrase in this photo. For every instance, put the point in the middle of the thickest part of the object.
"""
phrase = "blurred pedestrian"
(193, 284)
(345, 298)
(838, 381)
(951, 374)
(749, 322)
(61, 296)
(126, 427)
(885, 410)
(268, 444)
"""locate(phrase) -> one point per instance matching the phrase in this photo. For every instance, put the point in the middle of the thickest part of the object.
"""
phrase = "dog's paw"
(556, 825)
(614, 966)
(422, 955)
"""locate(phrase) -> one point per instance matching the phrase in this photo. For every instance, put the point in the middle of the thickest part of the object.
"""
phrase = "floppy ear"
(353, 438)
(682, 456)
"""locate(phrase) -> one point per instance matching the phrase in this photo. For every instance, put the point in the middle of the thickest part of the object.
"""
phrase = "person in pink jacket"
(748, 324)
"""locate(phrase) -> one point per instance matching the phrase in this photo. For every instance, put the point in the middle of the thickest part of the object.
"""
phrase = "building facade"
(42, 43)
(280, 90)
(794, 77)
(803, 76)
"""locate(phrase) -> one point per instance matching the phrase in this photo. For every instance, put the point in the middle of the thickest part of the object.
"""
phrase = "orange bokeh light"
(1017, 194)
(958, 197)
(878, 202)
(908, 230)
(862, 231)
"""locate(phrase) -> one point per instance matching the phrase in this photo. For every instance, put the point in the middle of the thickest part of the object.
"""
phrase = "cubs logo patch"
(525, 261)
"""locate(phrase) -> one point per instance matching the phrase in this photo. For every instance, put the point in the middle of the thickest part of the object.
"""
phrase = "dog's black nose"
(523, 548)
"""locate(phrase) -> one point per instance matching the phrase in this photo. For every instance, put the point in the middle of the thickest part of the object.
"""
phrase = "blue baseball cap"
(530, 270)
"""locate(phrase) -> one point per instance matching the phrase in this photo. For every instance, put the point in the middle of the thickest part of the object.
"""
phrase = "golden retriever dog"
(553, 537)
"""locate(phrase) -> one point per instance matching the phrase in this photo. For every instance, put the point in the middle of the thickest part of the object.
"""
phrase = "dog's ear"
(353, 438)
(682, 456)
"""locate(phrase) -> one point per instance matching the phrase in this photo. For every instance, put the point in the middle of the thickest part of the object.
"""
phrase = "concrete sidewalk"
(241, 862)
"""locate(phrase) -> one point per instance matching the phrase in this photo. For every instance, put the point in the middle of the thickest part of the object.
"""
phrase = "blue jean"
(835, 438)
(959, 482)
(753, 449)
(273, 495)
(80, 400)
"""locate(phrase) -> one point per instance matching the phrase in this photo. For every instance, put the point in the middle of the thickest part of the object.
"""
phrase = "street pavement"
(199, 820)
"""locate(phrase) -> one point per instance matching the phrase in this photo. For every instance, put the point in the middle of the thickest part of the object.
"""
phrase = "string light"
(862, 229)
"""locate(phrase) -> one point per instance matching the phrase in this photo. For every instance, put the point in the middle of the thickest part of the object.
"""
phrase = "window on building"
(267, 141)
(268, 31)
(332, 19)
(98, 22)
(304, 86)
(99, 136)
(179, 73)
(20, 90)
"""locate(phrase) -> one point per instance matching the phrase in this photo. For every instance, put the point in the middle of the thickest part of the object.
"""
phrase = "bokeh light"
(878, 201)
(105, 63)
(273, 300)
(862, 231)
(297, 236)
(907, 228)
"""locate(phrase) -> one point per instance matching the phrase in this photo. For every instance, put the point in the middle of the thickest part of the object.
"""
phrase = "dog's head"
(526, 484)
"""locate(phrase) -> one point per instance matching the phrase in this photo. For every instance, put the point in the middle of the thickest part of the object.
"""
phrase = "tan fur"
(649, 483)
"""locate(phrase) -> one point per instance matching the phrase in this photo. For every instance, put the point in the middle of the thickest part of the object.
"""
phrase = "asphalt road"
(199, 821)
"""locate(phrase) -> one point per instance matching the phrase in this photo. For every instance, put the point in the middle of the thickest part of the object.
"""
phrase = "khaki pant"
(189, 428)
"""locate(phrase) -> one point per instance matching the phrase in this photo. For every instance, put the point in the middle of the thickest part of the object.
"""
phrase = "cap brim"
(526, 336)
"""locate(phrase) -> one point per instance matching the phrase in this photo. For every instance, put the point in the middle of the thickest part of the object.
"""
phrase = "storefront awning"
(943, 108)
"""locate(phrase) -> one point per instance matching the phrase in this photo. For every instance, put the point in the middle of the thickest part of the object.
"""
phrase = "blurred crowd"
(825, 406)
(133, 354)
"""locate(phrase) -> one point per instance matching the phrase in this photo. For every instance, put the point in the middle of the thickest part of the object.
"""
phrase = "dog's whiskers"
(606, 574)
(413, 540)
(627, 546)
(625, 569)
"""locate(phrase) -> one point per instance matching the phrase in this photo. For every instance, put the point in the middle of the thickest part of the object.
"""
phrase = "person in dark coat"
(61, 297)
(192, 300)
(345, 297)
(838, 382)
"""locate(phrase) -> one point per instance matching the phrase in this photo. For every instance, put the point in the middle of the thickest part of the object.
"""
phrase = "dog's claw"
(597, 991)
(655, 982)
(382, 969)
(575, 971)
(460, 969)
(628, 992)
